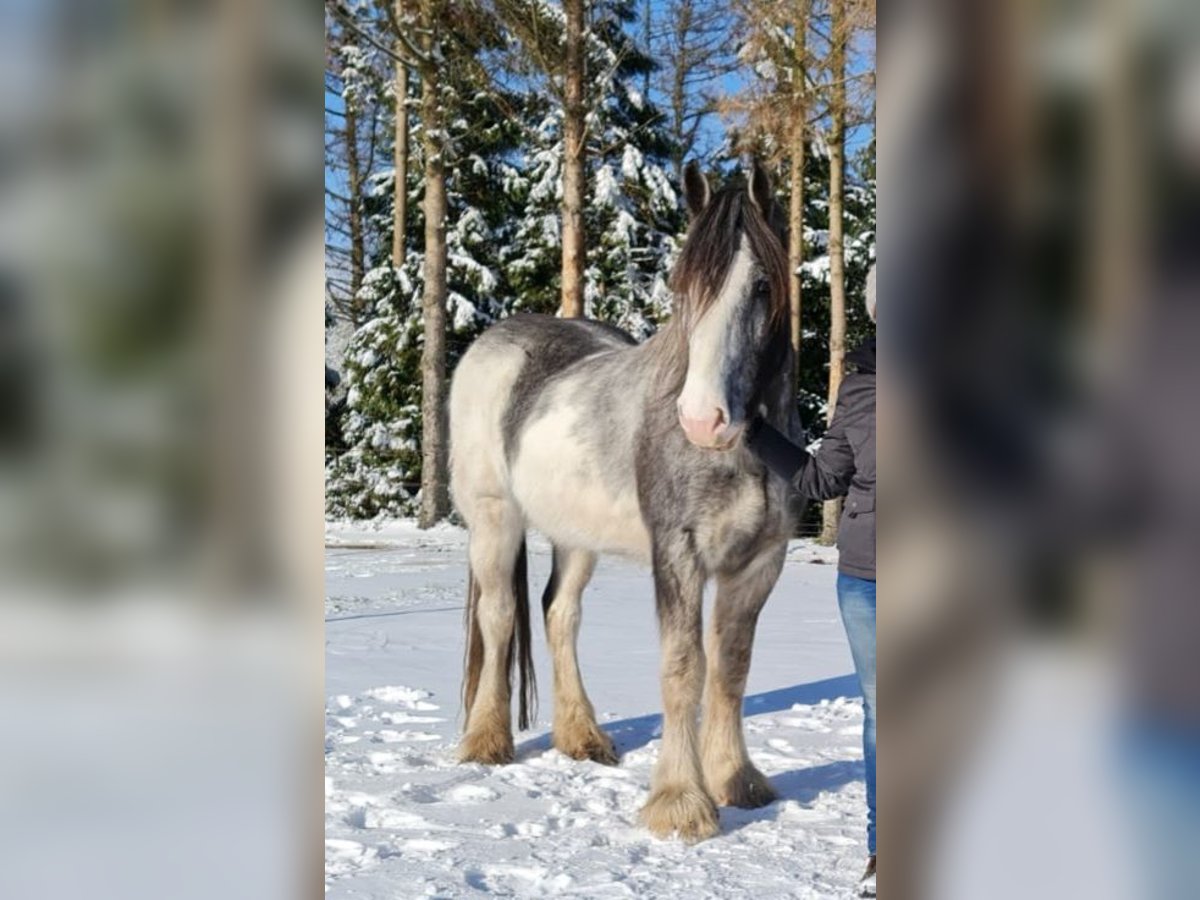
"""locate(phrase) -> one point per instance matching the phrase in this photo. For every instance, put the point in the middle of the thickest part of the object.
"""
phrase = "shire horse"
(610, 446)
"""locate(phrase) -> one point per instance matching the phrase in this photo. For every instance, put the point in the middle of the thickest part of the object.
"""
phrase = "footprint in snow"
(387, 736)
(403, 718)
(806, 722)
(388, 763)
(343, 857)
(409, 698)
(386, 818)
(471, 793)
(526, 880)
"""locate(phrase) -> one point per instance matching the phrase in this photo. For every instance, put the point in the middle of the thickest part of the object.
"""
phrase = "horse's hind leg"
(497, 530)
(728, 773)
(575, 730)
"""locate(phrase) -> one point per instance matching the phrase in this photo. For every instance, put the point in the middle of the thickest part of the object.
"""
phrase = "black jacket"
(843, 466)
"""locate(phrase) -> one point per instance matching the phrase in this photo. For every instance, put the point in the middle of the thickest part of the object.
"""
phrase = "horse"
(608, 446)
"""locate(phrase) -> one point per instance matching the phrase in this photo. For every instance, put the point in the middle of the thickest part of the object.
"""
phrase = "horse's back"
(549, 341)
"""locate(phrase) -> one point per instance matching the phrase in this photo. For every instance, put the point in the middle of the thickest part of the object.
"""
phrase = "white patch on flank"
(559, 483)
(704, 388)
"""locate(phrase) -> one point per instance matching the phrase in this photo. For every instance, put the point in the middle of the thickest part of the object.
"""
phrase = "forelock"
(712, 244)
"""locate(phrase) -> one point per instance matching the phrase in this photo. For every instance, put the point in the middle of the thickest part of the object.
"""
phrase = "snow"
(405, 819)
(632, 163)
(607, 190)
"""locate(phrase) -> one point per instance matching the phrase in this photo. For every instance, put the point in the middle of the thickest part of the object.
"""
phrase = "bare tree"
(796, 151)
(345, 232)
(777, 110)
(692, 45)
(839, 34)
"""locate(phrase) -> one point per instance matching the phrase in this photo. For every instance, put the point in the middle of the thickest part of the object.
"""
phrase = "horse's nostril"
(705, 422)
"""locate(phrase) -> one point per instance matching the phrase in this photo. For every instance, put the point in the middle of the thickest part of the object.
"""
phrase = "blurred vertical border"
(161, 282)
(1039, 273)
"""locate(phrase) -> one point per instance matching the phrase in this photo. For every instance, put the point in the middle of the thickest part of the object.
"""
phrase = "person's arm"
(818, 477)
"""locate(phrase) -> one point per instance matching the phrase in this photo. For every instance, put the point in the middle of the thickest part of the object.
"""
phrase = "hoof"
(747, 788)
(492, 748)
(688, 811)
(586, 743)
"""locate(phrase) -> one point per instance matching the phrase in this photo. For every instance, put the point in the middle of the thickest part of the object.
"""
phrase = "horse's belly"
(574, 494)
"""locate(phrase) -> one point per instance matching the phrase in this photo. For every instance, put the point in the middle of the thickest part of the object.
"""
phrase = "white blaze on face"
(703, 405)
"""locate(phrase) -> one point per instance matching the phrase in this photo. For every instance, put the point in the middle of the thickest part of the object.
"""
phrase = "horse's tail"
(520, 649)
(520, 645)
(473, 654)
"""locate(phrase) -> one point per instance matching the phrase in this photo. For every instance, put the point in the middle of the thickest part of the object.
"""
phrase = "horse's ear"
(761, 191)
(695, 189)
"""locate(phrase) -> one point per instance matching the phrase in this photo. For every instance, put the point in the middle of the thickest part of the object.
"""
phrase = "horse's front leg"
(728, 773)
(678, 799)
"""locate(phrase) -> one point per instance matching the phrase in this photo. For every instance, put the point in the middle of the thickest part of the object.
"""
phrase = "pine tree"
(632, 216)
(381, 472)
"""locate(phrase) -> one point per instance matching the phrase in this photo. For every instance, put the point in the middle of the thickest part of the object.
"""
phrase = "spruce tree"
(380, 472)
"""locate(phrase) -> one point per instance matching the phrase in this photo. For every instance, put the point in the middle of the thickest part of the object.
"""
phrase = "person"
(845, 466)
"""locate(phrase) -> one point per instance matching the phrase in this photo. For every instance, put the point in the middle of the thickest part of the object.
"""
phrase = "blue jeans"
(1160, 767)
(856, 599)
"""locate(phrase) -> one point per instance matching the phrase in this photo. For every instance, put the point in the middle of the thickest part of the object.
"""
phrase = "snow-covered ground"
(404, 819)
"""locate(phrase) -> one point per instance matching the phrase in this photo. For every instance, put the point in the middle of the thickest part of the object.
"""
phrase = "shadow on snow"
(801, 785)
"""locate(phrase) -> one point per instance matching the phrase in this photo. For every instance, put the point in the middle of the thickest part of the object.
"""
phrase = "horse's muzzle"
(712, 433)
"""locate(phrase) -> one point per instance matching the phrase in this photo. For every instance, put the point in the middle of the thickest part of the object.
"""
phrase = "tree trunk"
(400, 219)
(648, 39)
(354, 213)
(573, 165)
(435, 496)
(796, 237)
(796, 186)
(837, 260)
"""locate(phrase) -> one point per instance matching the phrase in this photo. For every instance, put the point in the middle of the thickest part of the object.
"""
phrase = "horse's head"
(730, 287)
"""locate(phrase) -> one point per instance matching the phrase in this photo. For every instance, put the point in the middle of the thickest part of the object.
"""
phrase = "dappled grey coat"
(843, 466)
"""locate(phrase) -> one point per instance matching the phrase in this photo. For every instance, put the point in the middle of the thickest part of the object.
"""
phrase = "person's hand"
(779, 454)
(753, 427)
